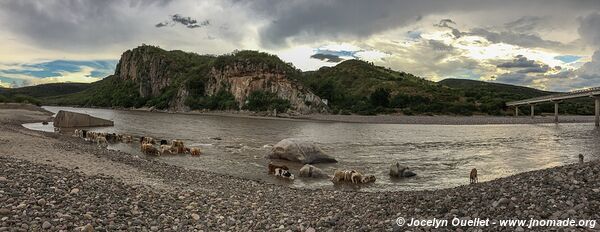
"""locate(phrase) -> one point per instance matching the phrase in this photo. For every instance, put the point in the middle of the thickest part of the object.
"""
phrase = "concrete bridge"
(593, 93)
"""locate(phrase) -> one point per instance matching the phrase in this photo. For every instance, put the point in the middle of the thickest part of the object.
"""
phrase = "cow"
(101, 141)
(195, 151)
(149, 149)
(368, 179)
(356, 178)
(342, 175)
(166, 149)
(272, 167)
(283, 173)
(178, 146)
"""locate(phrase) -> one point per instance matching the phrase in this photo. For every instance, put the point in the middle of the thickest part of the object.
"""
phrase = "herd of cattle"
(348, 176)
(148, 145)
(151, 146)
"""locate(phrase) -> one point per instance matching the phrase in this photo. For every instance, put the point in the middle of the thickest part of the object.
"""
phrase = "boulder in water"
(397, 170)
(299, 151)
(311, 171)
(72, 119)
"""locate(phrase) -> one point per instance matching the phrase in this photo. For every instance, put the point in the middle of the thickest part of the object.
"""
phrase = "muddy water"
(441, 155)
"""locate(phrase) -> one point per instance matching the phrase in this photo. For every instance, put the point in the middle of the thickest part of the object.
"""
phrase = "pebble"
(87, 228)
(46, 225)
(4, 211)
(74, 191)
(196, 216)
(41, 202)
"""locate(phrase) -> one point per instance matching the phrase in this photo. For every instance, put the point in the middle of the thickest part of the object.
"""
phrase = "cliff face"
(150, 69)
(241, 79)
(163, 75)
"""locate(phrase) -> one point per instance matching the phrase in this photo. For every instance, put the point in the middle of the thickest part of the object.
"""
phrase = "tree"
(380, 97)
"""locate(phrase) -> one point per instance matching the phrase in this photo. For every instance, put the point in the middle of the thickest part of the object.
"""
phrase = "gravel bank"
(50, 191)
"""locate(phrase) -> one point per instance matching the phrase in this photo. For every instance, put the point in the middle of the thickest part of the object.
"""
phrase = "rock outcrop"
(68, 119)
(147, 67)
(400, 171)
(241, 79)
(299, 151)
(311, 171)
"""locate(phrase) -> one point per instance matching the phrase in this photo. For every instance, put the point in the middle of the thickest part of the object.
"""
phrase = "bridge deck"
(558, 97)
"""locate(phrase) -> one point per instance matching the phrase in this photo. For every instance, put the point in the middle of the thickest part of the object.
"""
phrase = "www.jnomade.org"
(479, 222)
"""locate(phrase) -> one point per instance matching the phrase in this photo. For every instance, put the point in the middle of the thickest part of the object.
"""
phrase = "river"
(441, 155)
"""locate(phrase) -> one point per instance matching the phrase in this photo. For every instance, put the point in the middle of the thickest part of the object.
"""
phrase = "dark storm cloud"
(327, 57)
(588, 29)
(540, 69)
(72, 25)
(305, 20)
(445, 23)
(519, 62)
(520, 39)
(525, 65)
(185, 21)
(524, 24)
(448, 23)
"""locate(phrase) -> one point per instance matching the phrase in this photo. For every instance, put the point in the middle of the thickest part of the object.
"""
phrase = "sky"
(546, 44)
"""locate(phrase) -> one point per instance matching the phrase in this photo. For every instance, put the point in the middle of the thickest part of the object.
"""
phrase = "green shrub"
(266, 101)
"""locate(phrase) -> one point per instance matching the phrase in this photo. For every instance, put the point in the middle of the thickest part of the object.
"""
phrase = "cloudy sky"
(546, 44)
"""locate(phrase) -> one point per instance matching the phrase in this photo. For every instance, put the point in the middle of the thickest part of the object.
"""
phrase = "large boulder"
(299, 151)
(397, 170)
(311, 171)
(71, 119)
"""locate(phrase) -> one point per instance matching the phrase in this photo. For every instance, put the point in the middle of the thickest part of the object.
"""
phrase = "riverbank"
(51, 182)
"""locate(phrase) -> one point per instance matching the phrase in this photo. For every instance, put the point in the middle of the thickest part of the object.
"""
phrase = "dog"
(283, 173)
(580, 158)
(272, 168)
(473, 176)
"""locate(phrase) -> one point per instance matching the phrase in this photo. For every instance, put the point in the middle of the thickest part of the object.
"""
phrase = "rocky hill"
(180, 81)
(149, 76)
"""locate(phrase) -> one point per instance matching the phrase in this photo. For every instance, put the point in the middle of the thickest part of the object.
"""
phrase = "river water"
(441, 155)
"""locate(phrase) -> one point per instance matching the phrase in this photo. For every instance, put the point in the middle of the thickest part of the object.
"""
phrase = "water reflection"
(442, 156)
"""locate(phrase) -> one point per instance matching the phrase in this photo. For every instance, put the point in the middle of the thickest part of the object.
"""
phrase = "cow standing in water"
(473, 176)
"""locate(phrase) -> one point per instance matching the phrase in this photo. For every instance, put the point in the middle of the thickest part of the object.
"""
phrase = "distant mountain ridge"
(149, 76)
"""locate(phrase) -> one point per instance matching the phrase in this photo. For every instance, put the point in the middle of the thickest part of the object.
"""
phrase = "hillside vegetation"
(351, 87)
(495, 95)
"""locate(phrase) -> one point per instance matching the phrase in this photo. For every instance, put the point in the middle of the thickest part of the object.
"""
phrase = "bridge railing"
(560, 96)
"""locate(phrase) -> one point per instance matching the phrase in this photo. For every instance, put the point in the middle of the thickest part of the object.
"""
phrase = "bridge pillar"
(597, 101)
(516, 111)
(532, 110)
(555, 112)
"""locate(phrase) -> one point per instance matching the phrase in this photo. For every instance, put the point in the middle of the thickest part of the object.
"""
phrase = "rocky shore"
(51, 182)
